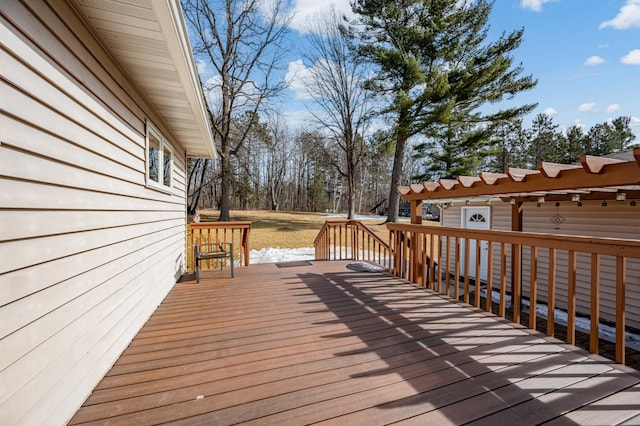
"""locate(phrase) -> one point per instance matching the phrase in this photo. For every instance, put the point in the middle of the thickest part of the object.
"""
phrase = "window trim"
(164, 144)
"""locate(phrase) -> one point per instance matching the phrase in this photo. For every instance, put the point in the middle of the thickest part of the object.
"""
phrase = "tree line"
(423, 71)
(280, 169)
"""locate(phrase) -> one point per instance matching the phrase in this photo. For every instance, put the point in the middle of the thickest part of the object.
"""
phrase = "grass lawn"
(288, 229)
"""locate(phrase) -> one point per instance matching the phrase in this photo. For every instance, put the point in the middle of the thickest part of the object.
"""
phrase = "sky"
(585, 55)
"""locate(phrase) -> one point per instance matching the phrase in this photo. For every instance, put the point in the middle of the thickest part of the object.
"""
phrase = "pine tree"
(435, 66)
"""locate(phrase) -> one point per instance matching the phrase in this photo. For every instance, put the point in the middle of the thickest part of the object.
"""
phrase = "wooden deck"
(323, 343)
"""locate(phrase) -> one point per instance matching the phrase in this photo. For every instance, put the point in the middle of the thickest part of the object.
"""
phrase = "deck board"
(324, 344)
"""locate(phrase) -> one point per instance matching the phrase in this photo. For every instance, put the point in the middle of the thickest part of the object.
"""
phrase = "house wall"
(87, 251)
(616, 220)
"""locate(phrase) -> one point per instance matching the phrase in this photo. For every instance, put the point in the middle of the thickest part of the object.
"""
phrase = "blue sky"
(585, 55)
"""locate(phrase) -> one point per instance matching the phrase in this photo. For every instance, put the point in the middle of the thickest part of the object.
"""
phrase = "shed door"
(476, 218)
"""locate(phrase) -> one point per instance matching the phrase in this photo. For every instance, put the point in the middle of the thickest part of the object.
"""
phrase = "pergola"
(595, 178)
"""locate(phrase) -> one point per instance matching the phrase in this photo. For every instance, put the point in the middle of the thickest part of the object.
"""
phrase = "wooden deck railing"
(516, 264)
(350, 239)
(236, 233)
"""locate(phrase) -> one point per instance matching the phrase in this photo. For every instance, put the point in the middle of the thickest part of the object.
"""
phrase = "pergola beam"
(595, 173)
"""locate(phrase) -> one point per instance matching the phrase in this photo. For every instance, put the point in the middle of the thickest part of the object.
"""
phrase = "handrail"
(350, 240)
(236, 233)
(516, 257)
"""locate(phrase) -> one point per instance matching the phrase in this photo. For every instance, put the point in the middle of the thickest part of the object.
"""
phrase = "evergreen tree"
(436, 66)
(451, 151)
(546, 143)
(575, 143)
(511, 146)
(606, 138)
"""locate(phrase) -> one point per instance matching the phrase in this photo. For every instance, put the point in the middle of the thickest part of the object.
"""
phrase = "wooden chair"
(212, 251)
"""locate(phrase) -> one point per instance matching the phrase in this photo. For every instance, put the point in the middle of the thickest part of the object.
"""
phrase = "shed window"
(159, 159)
(477, 218)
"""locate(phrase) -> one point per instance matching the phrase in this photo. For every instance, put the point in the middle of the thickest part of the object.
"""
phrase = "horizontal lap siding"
(616, 220)
(87, 251)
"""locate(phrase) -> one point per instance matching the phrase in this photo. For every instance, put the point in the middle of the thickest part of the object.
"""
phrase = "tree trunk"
(198, 192)
(351, 196)
(396, 174)
(225, 188)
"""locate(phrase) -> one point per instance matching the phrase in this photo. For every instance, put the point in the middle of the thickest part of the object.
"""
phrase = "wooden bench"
(212, 251)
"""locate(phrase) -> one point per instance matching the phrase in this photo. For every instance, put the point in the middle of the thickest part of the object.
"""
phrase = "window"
(477, 218)
(159, 159)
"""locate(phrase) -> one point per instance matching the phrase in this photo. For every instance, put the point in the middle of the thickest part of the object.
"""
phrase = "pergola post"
(417, 251)
(416, 212)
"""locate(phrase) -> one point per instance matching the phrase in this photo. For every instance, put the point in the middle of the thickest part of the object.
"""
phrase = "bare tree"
(241, 40)
(277, 159)
(336, 77)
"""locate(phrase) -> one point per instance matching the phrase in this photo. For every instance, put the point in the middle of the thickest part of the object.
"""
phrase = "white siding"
(616, 220)
(87, 251)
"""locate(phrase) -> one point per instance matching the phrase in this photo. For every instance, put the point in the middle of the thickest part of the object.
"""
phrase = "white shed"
(100, 106)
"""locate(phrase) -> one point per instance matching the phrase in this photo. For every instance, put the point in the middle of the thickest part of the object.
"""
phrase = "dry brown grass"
(287, 229)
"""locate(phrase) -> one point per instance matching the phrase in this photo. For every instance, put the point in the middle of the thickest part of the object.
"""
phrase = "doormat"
(365, 267)
(293, 263)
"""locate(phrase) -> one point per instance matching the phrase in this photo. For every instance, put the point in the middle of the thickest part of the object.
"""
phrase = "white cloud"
(592, 61)
(550, 111)
(631, 58)
(613, 108)
(297, 77)
(535, 5)
(579, 123)
(628, 17)
(306, 10)
(587, 107)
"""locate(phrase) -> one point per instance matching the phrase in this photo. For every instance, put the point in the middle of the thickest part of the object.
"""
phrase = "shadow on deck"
(322, 343)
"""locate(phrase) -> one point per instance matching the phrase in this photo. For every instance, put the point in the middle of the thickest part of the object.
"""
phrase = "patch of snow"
(605, 332)
(277, 254)
(365, 217)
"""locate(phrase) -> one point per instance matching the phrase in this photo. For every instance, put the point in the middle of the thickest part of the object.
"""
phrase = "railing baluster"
(467, 255)
(594, 339)
(478, 274)
(503, 279)
(489, 298)
(447, 277)
(432, 261)
(533, 288)
(571, 298)
(621, 271)
(551, 293)
(438, 256)
(517, 281)
(456, 278)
